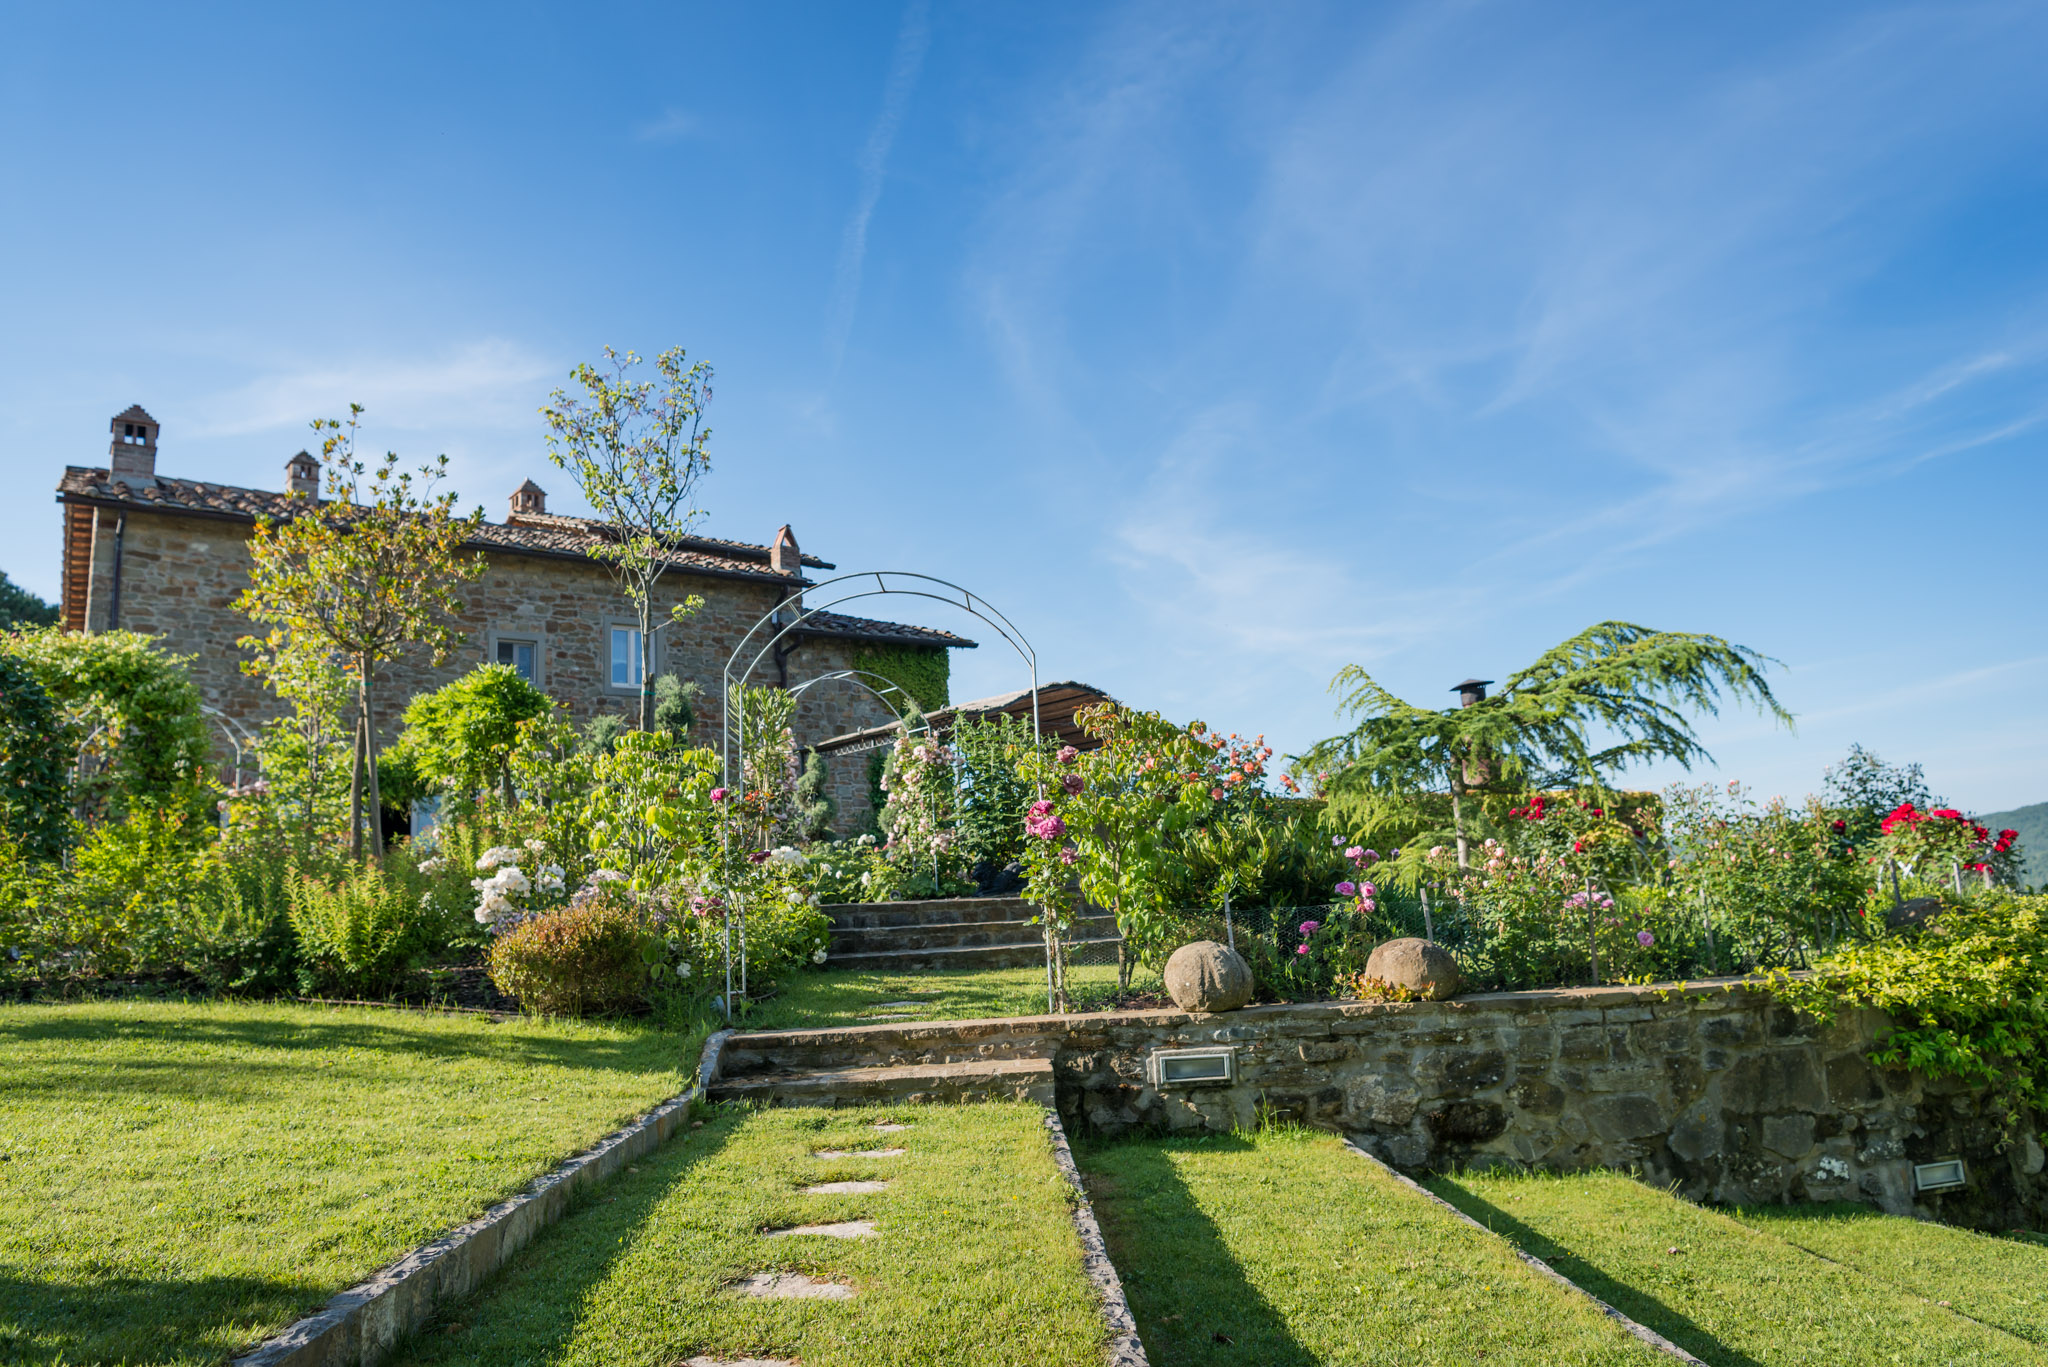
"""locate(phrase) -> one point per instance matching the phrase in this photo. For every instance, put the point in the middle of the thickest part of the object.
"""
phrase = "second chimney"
(302, 475)
(784, 556)
(529, 498)
(132, 457)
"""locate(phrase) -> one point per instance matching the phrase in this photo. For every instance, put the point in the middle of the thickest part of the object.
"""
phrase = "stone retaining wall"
(1714, 1087)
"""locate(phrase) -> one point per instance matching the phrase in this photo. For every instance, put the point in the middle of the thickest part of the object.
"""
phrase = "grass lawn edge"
(365, 1320)
(1542, 1269)
(1125, 1349)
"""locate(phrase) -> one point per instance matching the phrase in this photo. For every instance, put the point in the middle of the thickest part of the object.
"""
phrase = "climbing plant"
(32, 765)
(924, 672)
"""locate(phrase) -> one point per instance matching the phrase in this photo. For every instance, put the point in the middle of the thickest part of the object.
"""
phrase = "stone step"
(889, 1045)
(940, 911)
(967, 957)
(954, 935)
(1012, 1079)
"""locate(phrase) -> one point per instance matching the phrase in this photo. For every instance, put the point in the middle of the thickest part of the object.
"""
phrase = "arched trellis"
(847, 588)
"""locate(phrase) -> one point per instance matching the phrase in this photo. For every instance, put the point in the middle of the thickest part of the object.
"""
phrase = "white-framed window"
(523, 656)
(623, 655)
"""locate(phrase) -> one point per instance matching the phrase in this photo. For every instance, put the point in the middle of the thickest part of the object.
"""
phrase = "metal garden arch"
(847, 588)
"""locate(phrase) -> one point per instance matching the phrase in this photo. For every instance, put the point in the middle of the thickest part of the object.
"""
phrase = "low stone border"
(359, 1326)
(1543, 1269)
(1125, 1348)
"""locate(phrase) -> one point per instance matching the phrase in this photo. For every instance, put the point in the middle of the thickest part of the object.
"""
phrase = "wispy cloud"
(493, 385)
(674, 125)
(911, 41)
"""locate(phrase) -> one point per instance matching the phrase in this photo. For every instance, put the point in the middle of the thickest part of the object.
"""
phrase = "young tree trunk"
(1458, 818)
(355, 797)
(644, 601)
(370, 756)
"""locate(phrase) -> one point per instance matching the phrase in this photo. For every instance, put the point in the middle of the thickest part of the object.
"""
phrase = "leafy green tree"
(993, 794)
(20, 608)
(132, 716)
(675, 705)
(33, 815)
(637, 450)
(364, 574)
(1865, 790)
(460, 737)
(1629, 684)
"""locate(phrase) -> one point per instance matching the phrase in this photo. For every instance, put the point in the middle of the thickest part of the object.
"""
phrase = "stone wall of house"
(1718, 1090)
(180, 576)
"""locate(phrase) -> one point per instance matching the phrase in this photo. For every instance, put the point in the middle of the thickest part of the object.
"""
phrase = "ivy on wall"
(921, 671)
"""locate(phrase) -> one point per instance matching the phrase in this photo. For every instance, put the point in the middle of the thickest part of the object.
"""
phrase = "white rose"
(818, 956)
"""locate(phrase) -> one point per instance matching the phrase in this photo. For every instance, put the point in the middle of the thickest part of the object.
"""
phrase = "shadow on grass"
(1639, 1306)
(134, 1319)
(1193, 1304)
(529, 1311)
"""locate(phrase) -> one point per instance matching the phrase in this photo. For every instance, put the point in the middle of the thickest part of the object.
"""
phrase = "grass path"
(1997, 1280)
(180, 1180)
(1731, 1293)
(1284, 1249)
(814, 1000)
(975, 1260)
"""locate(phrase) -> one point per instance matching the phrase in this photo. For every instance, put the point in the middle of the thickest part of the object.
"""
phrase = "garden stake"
(1229, 931)
(1955, 876)
(1707, 921)
(1897, 901)
(1428, 926)
(1592, 943)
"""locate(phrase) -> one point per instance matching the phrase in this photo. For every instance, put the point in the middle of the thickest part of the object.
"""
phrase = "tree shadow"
(1639, 1306)
(531, 1308)
(1192, 1301)
(136, 1319)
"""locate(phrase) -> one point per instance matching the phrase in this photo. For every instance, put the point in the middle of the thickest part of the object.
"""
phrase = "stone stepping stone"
(702, 1360)
(792, 1286)
(888, 1126)
(900, 1016)
(858, 1153)
(843, 1188)
(844, 1229)
(898, 1006)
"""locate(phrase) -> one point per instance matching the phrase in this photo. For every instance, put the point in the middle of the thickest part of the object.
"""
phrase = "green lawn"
(180, 1180)
(1997, 1280)
(1727, 1292)
(975, 1260)
(1285, 1249)
(812, 1000)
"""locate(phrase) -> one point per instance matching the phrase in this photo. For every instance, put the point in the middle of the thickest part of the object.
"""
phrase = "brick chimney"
(529, 498)
(302, 475)
(133, 453)
(784, 555)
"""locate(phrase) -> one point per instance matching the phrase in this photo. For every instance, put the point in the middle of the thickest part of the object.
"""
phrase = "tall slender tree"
(364, 573)
(1612, 695)
(637, 449)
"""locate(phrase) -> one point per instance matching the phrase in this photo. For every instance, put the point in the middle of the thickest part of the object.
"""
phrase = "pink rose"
(1073, 783)
(719, 794)
(1068, 754)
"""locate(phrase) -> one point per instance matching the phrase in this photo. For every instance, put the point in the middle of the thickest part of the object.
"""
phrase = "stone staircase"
(863, 1065)
(953, 933)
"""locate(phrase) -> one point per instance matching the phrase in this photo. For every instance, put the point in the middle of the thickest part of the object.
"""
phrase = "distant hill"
(2032, 824)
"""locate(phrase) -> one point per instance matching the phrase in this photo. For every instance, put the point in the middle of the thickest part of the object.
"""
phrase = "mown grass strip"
(975, 1260)
(1282, 1248)
(182, 1180)
(1731, 1294)
(2001, 1281)
(815, 1000)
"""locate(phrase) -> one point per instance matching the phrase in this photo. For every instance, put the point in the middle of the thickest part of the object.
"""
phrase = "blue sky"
(1219, 346)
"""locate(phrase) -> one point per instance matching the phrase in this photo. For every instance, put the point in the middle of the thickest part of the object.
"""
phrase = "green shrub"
(356, 937)
(237, 934)
(34, 762)
(135, 711)
(117, 909)
(582, 959)
(459, 738)
(1964, 992)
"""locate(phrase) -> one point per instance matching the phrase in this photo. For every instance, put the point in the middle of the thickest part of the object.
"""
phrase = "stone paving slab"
(843, 1188)
(842, 1229)
(858, 1153)
(792, 1286)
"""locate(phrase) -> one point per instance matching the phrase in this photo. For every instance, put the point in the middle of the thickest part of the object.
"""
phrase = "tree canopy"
(1613, 695)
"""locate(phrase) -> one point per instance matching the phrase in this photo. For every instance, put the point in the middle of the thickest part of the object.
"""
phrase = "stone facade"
(1714, 1088)
(181, 566)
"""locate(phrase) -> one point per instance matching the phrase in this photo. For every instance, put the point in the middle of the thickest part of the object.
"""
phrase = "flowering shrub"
(917, 819)
(1934, 845)
(1763, 882)
(1535, 920)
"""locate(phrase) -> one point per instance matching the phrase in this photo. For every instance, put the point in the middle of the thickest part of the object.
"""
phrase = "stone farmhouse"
(167, 556)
